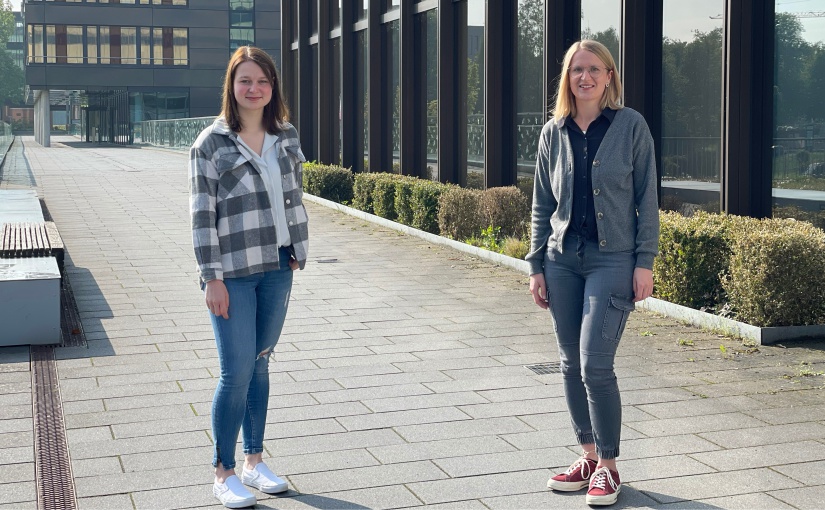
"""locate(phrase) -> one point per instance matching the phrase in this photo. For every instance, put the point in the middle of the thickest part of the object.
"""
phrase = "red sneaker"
(605, 487)
(575, 478)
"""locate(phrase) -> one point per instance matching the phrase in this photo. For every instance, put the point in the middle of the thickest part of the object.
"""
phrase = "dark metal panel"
(70, 77)
(562, 21)
(204, 101)
(328, 106)
(349, 157)
(500, 45)
(169, 77)
(380, 159)
(748, 108)
(287, 69)
(306, 124)
(209, 38)
(409, 162)
(214, 60)
(449, 141)
(642, 67)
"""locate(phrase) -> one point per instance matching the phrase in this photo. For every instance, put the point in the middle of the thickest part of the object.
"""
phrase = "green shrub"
(328, 181)
(475, 179)
(777, 273)
(424, 204)
(459, 213)
(383, 196)
(403, 199)
(515, 247)
(693, 253)
(506, 208)
(525, 184)
(362, 191)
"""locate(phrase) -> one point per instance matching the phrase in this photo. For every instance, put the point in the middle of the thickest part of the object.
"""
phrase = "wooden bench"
(23, 240)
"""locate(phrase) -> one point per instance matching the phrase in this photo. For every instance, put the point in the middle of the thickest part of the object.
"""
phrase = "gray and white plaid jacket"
(233, 229)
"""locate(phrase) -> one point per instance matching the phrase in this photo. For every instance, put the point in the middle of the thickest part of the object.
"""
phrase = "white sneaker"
(264, 480)
(232, 493)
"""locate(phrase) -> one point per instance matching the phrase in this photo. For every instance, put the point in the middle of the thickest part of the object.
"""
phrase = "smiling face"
(585, 87)
(252, 88)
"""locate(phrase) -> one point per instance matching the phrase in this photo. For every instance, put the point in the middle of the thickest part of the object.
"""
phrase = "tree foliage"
(6, 21)
(12, 80)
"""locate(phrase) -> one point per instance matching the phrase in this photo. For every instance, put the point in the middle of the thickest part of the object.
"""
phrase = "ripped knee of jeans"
(266, 353)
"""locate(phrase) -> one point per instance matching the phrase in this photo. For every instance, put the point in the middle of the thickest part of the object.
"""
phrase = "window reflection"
(799, 118)
(392, 80)
(361, 101)
(474, 94)
(691, 105)
(529, 86)
(602, 21)
(427, 66)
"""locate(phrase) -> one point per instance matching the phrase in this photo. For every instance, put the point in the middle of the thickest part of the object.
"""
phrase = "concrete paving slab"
(713, 485)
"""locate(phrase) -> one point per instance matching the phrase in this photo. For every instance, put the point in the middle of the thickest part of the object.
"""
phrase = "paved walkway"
(400, 379)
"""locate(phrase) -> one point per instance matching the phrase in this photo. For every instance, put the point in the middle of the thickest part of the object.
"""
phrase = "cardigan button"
(596, 191)
(596, 162)
(602, 243)
(599, 215)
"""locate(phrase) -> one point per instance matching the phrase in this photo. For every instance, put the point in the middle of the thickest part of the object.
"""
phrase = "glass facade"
(680, 94)
(798, 184)
(241, 24)
(602, 21)
(529, 85)
(474, 93)
(111, 45)
(427, 40)
(691, 105)
(123, 2)
(362, 128)
(392, 82)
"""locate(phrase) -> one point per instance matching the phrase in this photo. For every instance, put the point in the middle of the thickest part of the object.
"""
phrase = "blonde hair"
(565, 101)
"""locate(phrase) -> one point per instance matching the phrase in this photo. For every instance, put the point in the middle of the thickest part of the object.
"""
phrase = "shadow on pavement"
(314, 501)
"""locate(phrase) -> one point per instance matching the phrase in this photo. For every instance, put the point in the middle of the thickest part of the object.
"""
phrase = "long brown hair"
(276, 113)
(565, 101)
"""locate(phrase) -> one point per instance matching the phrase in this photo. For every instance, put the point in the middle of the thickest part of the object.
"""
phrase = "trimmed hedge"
(328, 181)
(459, 214)
(694, 255)
(777, 273)
(763, 272)
(506, 208)
(424, 204)
(362, 191)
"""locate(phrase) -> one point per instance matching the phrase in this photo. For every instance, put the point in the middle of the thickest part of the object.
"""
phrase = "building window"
(390, 5)
(241, 24)
(530, 84)
(336, 88)
(392, 82)
(362, 138)
(426, 27)
(799, 114)
(361, 9)
(691, 104)
(602, 21)
(107, 45)
(474, 93)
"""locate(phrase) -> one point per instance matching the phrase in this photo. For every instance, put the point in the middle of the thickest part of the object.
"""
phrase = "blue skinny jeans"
(590, 294)
(257, 309)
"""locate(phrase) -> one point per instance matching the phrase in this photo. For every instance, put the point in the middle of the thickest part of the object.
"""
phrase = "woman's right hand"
(217, 298)
(538, 288)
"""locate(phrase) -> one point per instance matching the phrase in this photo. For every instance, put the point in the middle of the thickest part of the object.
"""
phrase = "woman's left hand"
(642, 283)
(293, 264)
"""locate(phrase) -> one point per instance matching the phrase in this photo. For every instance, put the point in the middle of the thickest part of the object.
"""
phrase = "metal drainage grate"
(71, 329)
(55, 483)
(553, 367)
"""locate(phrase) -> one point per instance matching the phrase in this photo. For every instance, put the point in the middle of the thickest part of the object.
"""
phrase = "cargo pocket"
(615, 317)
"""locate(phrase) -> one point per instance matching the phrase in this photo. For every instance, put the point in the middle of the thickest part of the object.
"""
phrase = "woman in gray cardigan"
(595, 231)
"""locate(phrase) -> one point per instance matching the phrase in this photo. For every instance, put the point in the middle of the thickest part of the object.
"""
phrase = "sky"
(681, 18)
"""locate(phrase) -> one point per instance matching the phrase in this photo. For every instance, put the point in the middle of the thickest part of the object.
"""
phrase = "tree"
(12, 80)
(530, 66)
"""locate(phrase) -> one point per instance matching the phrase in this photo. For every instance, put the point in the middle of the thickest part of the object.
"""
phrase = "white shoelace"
(601, 477)
(585, 465)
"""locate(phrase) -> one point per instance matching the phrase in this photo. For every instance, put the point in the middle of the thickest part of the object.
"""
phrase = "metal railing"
(173, 133)
(6, 137)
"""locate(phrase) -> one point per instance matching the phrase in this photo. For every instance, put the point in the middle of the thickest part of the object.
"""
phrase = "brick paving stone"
(477, 427)
(401, 418)
(690, 425)
(763, 455)
(766, 435)
(105, 502)
(18, 492)
(423, 401)
(11, 473)
(803, 498)
(366, 477)
(542, 500)
(16, 454)
(97, 467)
(714, 485)
(486, 486)
(739, 502)
(478, 465)
(408, 452)
(809, 473)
